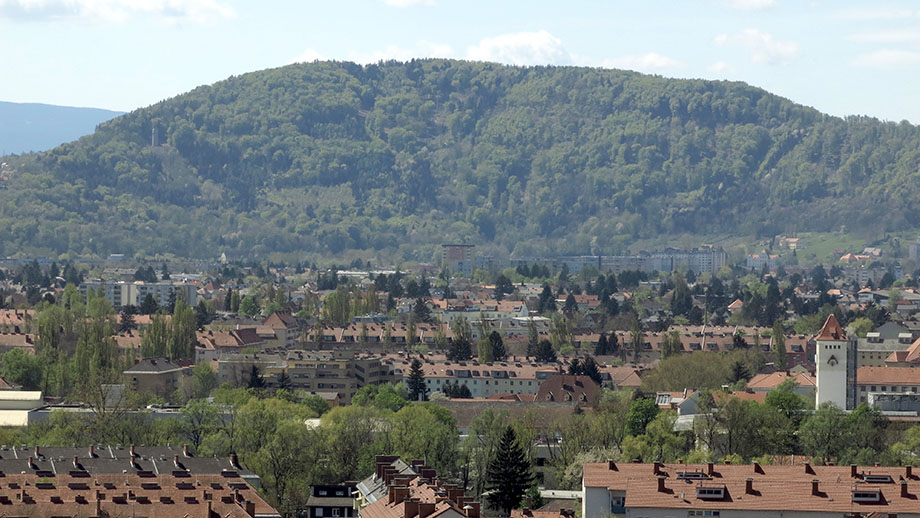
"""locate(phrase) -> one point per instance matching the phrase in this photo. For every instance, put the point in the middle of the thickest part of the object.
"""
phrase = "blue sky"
(840, 56)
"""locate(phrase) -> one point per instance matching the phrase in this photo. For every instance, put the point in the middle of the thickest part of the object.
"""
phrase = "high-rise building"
(458, 259)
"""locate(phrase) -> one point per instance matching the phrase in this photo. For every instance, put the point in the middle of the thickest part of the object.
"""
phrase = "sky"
(843, 57)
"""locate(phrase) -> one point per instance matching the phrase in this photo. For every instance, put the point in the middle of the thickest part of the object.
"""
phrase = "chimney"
(250, 508)
(710, 469)
(472, 510)
(909, 471)
(656, 468)
(37, 454)
(661, 483)
(814, 487)
(454, 493)
(234, 461)
(132, 451)
(758, 468)
(176, 460)
(397, 494)
(31, 464)
(904, 493)
(808, 469)
(852, 470)
(749, 486)
(209, 510)
(612, 466)
(410, 508)
(425, 509)
(185, 450)
(92, 452)
(76, 462)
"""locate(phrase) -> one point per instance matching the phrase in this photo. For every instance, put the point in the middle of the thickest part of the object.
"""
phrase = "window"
(617, 504)
(866, 496)
(319, 512)
(336, 511)
(322, 492)
(710, 493)
(702, 513)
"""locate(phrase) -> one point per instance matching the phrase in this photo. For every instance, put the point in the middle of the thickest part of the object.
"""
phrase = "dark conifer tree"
(417, 389)
(509, 475)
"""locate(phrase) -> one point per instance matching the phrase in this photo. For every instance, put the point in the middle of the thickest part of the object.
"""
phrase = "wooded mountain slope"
(396, 158)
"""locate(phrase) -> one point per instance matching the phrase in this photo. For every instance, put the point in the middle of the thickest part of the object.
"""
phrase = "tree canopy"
(329, 157)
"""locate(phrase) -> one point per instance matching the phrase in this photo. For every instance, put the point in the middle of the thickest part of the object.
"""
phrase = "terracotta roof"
(887, 375)
(772, 380)
(154, 496)
(581, 390)
(773, 488)
(831, 331)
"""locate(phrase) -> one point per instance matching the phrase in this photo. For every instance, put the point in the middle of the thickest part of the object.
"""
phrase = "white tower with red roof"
(831, 362)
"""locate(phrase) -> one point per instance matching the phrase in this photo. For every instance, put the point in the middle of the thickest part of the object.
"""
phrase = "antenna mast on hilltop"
(153, 136)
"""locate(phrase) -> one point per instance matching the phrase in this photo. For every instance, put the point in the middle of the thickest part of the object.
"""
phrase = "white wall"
(832, 379)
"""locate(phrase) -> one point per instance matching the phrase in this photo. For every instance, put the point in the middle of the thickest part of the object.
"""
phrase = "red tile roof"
(831, 331)
(773, 488)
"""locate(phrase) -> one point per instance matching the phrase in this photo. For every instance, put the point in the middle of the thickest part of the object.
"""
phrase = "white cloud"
(521, 48)
(750, 4)
(887, 36)
(650, 62)
(720, 67)
(407, 3)
(763, 48)
(887, 58)
(877, 13)
(201, 11)
(309, 56)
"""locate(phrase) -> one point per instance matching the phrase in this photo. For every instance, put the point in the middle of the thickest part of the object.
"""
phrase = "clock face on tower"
(832, 360)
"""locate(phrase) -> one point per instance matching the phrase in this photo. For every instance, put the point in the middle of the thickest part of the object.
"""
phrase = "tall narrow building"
(835, 365)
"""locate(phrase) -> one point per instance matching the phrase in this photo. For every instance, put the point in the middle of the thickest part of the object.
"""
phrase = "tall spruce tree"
(779, 346)
(417, 389)
(509, 475)
(497, 345)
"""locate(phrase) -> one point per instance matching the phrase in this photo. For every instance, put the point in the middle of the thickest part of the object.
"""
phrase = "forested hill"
(396, 158)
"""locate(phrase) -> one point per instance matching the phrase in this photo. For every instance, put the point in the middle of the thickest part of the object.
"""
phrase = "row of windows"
(884, 388)
(437, 381)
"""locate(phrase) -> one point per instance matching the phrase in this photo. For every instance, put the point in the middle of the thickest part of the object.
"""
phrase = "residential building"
(287, 327)
(159, 376)
(331, 501)
(805, 384)
(512, 376)
(567, 388)
(748, 490)
(762, 260)
(398, 490)
(343, 373)
(122, 293)
(126, 481)
(458, 259)
(880, 344)
(873, 382)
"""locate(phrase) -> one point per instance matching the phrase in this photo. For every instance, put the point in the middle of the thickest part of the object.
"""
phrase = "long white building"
(123, 293)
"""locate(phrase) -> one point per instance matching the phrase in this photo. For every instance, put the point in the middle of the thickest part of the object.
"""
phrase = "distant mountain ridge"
(27, 127)
(334, 159)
